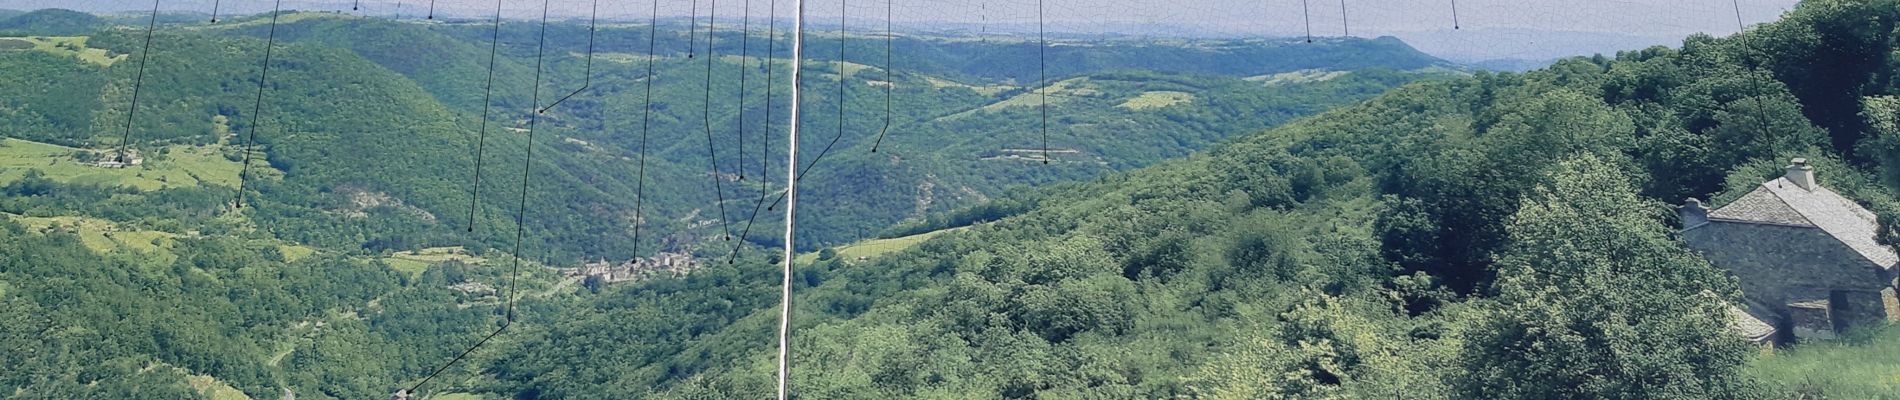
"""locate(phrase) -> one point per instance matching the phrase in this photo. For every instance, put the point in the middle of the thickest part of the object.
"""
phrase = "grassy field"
(414, 262)
(64, 45)
(104, 237)
(214, 389)
(1865, 366)
(1160, 99)
(941, 83)
(877, 247)
(183, 166)
(1301, 76)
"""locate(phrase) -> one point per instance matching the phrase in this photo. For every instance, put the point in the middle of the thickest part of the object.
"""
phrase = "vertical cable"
(257, 111)
(481, 141)
(1344, 23)
(791, 202)
(889, 84)
(844, 40)
(1306, 13)
(431, 9)
(1454, 15)
(214, 10)
(145, 57)
(1042, 52)
(527, 171)
(765, 147)
(711, 152)
(646, 125)
(745, 48)
(1741, 29)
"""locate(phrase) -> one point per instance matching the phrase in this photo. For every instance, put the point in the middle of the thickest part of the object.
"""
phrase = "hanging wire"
(527, 173)
(745, 48)
(145, 57)
(889, 84)
(1454, 15)
(1306, 13)
(842, 31)
(257, 111)
(214, 10)
(711, 152)
(765, 158)
(1344, 22)
(646, 125)
(431, 9)
(481, 141)
(1741, 32)
(1042, 53)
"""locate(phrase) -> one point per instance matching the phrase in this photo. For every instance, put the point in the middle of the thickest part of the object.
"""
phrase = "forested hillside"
(1500, 236)
(351, 269)
(406, 126)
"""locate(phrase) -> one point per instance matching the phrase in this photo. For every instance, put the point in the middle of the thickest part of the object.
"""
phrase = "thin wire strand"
(842, 31)
(1344, 22)
(521, 210)
(481, 142)
(1454, 16)
(1042, 53)
(257, 111)
(711, 151)
(131, 113)
(765, 154)
(890, 85)
(1306, 13)
(745, 48)
(214, 10)
(646, 125)
(1741, 31)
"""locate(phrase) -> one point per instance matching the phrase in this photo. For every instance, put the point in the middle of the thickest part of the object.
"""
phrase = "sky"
(1488, 29)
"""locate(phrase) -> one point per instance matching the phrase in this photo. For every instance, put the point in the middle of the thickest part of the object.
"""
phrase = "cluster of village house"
(1806, 258)
(664, 264)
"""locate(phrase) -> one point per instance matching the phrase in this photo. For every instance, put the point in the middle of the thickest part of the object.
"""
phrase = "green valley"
(1210, 218)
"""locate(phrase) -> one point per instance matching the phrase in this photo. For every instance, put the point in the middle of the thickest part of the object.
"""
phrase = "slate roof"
(1750, 327)
(1782, 202)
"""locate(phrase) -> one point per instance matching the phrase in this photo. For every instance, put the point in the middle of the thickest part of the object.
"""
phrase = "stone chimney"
(1802, 175)
(1693, 213)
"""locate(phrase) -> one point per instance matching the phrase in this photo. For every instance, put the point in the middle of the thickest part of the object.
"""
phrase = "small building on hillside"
(1806, 258)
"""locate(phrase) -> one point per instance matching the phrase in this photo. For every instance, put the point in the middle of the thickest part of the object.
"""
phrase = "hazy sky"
(1492, 28)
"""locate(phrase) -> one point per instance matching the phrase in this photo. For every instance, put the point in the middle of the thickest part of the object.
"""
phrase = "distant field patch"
(1297, 77)
(415, 262)
(74, 46)
(1059, 92)
(104, 236)
(293, 253)
(877, 247)
(181, 166)
(214, 389)
(1159, 99)
(990, 90)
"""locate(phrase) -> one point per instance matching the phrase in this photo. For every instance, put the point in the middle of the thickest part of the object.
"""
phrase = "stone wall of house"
(1778, 265)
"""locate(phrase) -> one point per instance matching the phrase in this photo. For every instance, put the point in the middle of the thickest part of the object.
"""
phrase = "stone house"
(1805, 257)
